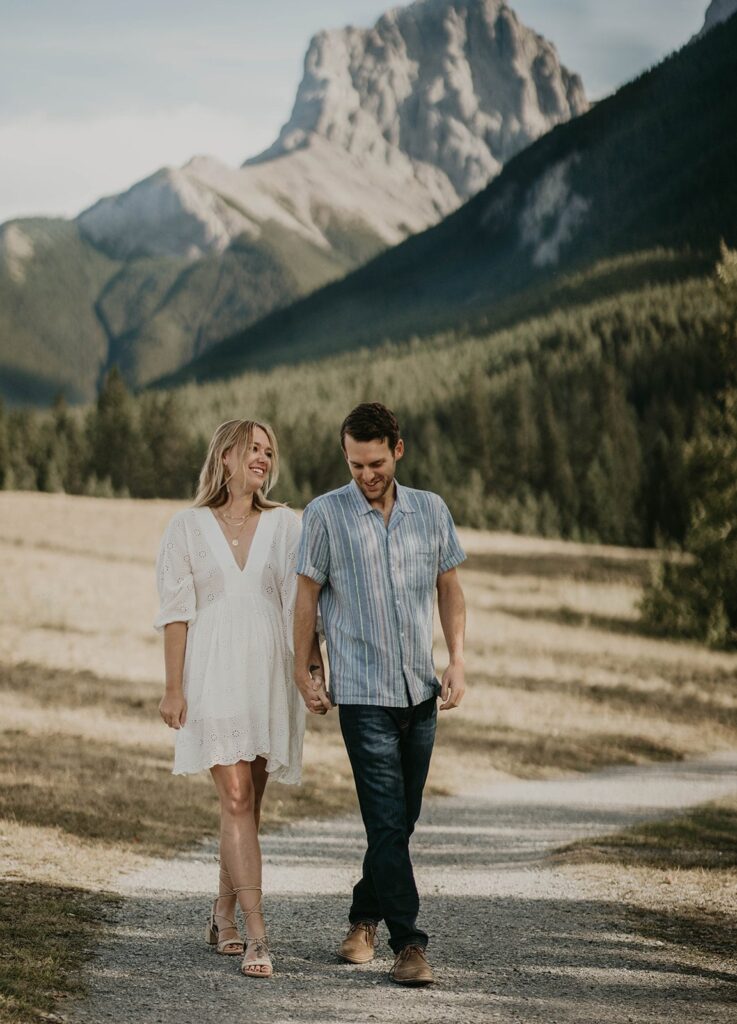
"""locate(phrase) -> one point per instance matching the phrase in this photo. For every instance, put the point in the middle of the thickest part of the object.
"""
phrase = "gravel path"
(513, 937)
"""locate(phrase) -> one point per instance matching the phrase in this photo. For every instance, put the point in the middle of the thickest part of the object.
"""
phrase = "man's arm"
(452, 611)
(305, 620)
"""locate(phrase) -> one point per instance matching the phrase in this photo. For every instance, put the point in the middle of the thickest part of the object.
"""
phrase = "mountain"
(392, 128)
(649, 169)
(718, 12)
(51, 339)
(451, 89)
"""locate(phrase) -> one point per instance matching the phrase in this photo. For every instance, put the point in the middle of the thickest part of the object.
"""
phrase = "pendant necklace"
(236, 540)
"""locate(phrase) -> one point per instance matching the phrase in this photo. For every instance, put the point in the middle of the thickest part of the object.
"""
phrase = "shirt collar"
(362, 505)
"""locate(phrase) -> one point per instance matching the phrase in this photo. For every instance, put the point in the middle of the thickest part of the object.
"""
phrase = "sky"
(97, 94)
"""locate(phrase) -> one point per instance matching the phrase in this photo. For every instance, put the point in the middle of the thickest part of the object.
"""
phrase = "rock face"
(717, 12)
(590, 212)
(452, 87)
(392, 128)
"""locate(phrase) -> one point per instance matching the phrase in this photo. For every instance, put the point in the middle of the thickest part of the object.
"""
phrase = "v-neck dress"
(242, 702)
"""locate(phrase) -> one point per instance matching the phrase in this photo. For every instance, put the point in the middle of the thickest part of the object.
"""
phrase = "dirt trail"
(513, 936)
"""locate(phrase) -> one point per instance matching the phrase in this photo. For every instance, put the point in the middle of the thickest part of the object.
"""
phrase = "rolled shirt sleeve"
(451, 553)
(178, 601)
(313, 559)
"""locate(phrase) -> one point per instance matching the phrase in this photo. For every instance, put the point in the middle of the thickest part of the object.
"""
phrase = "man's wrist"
(457, 659)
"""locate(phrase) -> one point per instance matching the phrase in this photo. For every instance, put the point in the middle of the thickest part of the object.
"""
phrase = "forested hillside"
(571, 424)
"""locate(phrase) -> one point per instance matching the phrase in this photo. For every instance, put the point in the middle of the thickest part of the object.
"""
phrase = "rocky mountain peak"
(717, 12)
(455, 87)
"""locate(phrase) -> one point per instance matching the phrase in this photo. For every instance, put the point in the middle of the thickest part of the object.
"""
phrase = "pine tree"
(697, 597)
(168, 466)
(4, 462)
(115, 446)
(560, 485)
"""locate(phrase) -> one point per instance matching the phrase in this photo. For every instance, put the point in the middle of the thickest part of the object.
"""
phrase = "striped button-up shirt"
(378, 589)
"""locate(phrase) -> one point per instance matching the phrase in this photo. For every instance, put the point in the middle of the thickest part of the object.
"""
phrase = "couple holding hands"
(241, 580)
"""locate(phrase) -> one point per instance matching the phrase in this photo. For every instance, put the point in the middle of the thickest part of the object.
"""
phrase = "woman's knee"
(239, 800)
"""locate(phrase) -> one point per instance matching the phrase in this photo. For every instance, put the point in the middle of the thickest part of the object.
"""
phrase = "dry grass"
(704, 837)
(46, 934)
(561, 676)
(675, 878)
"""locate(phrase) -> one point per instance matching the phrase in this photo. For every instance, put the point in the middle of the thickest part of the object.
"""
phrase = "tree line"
(123, 446)
(586, 423)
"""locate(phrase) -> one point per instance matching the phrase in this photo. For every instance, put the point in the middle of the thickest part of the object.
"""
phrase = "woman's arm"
(173, 706)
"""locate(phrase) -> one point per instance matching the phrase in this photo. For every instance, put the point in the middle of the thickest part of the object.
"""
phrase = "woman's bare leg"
(260, 777)
(227, 901)
(240, 789)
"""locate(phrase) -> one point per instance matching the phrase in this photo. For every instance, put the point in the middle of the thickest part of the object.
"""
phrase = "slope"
(393, 126)
(652, 166)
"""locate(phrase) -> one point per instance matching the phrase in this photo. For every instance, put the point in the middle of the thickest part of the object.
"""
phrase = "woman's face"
(248, 470)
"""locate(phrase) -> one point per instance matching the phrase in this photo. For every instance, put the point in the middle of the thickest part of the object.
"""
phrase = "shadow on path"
(514, 938)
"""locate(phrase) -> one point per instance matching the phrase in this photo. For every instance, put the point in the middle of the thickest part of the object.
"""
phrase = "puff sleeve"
(178, 601)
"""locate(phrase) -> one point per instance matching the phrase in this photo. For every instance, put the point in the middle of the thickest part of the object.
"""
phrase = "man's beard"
(377, 495)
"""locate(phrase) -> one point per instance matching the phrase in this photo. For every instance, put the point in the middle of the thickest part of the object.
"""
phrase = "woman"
(226, 575)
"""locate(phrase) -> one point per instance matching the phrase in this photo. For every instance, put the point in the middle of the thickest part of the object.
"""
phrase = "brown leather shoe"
(358, 945)
(411, 967)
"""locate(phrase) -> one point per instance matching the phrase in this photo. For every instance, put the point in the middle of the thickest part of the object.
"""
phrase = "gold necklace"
(236, 540)
(237, 520)
(234, 521)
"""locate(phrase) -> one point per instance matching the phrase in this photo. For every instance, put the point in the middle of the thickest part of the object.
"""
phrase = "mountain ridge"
(193, 254)
(717, 13)
(603, 185)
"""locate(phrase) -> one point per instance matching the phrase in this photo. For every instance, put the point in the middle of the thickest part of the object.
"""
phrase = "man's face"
(372, 465)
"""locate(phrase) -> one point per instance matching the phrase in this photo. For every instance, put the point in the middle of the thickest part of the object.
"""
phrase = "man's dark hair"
(371, 421)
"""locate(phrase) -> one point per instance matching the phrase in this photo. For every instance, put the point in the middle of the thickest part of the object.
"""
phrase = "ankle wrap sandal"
(226, 947)
(256, 961)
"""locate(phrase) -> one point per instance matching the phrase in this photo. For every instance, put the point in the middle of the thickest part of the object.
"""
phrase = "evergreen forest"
(574, 424)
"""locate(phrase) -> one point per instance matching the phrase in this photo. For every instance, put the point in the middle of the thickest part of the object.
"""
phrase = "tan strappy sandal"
(226, 947)
(256, 953)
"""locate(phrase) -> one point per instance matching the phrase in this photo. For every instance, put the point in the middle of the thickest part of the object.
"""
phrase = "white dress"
(242, 702)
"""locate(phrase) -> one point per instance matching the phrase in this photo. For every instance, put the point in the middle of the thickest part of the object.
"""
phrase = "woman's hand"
(314, 694)
(173, 709)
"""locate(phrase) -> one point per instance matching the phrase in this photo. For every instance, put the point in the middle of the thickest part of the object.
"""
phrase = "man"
(374, 553)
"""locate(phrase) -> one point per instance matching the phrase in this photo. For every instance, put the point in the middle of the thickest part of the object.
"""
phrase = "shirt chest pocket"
(419, 567)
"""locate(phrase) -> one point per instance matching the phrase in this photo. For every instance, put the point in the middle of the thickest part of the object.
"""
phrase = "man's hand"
(314, 694)
(452, 686)
(173, 709)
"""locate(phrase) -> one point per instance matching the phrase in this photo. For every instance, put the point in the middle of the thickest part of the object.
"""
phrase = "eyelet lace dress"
(238, 666)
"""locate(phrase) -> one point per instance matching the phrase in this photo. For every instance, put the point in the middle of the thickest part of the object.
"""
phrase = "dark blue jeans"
(389, 751)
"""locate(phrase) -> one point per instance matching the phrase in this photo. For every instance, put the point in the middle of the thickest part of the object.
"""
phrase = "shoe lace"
(368, 926)
(407, 951)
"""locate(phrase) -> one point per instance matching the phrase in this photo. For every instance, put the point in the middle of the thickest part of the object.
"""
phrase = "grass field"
(561, 677)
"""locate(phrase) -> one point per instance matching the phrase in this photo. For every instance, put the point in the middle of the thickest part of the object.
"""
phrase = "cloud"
(60, 165)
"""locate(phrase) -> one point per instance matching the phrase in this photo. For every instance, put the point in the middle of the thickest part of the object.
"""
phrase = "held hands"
(173, 709)
(314, 694)
(452, 686)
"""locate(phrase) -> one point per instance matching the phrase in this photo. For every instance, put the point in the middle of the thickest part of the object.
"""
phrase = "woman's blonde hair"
(212, 489)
